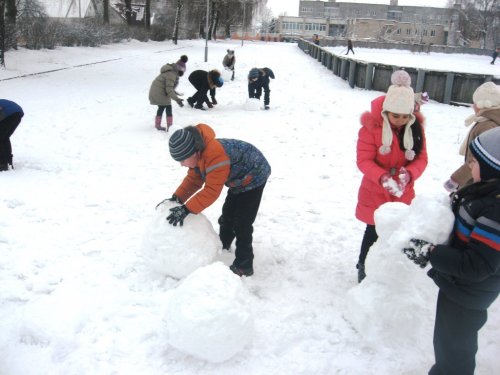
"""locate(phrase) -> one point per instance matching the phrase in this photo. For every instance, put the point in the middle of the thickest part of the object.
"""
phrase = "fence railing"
(442, 86)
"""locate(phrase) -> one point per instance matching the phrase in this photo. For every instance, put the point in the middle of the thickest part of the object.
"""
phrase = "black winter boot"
(240, 271)
(4, 167)
(361, 271)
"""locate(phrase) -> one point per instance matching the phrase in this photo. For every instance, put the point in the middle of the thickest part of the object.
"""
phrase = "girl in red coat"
(391, 154)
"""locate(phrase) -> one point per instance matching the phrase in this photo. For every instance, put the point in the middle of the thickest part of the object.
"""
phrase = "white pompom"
(384, 150)
(409, 155)
(401, 78)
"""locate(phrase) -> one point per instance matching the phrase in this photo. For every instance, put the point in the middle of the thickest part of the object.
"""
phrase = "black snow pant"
(455, 337)
(7, 127)
(369, 238)
(238, 215)
(166, 108)
(255, 91)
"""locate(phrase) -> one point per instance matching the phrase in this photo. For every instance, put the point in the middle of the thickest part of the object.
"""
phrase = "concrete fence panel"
(444, 87)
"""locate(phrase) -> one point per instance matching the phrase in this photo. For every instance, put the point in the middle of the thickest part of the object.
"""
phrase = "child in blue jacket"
(10, 117)
(467, 270)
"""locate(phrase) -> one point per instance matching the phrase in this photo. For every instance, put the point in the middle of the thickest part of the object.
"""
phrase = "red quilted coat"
(373, 165)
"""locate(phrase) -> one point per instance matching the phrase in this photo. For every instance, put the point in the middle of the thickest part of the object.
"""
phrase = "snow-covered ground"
(77, 295)
(460, 63)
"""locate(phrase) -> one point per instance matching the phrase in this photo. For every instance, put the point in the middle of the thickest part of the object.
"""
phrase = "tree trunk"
(211, 21)
(147, 15)
(178, 8)
(105, 14)
(11, 11)
(2, 33)
(128, 11)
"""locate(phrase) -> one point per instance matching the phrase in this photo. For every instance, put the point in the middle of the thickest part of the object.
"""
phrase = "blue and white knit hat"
(486, 150)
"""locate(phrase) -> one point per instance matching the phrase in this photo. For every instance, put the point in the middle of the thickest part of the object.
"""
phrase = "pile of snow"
(178, 251)
(397, 292)
(208, 315)
(252, 104)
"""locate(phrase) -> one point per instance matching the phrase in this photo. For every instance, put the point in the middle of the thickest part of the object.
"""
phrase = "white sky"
(84, 254)
(291, 7)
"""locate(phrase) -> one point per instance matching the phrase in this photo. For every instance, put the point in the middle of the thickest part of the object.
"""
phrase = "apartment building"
(373, 22)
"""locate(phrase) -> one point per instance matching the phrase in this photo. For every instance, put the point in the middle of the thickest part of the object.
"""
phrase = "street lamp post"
(206, 33)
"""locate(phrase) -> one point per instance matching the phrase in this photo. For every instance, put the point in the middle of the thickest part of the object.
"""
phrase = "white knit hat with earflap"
(399, 99)
(487, 96)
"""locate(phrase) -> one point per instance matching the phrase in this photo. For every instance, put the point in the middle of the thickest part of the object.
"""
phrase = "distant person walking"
(495, 55)
(349, 46)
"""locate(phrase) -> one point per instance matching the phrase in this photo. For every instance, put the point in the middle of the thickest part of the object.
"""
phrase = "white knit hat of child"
(399, 99)
(487, 96)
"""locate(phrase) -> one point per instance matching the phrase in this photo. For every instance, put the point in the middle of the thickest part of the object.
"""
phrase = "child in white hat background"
(486, 106)
(467, 269)
(391, 154)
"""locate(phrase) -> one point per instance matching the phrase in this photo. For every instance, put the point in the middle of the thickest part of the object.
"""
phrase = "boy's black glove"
(418, 251)
(178, 214)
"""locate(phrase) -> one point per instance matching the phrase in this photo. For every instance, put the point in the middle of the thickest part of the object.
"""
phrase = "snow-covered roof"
(67, 8)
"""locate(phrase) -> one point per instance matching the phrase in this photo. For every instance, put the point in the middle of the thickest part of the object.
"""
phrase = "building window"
(433, 32)
(408, 31)
(398, 31)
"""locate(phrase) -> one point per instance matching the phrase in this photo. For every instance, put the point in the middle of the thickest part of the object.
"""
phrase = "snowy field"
(80, 294)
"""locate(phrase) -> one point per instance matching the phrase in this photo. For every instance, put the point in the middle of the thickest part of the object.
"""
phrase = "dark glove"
(418, 251)
(173, 198)
(178, 214)
(180, 102)
(214, 102)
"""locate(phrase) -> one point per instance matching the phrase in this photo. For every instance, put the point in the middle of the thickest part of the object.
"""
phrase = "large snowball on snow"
(252, 104)
(178, 251)
(226, 74)
(208, 315)
(396, 301)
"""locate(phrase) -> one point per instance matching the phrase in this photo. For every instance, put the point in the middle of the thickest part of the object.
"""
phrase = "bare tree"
(147, 15)
(128, 12)
(2, 33)
(105, 13)
(178, 9)
(480, 20)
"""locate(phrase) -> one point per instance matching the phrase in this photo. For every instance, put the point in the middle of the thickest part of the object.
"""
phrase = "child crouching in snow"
(467, 271)
(391, 154)
(212, 163)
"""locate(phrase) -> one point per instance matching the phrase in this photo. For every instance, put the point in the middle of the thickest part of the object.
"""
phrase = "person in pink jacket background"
(391, 154)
